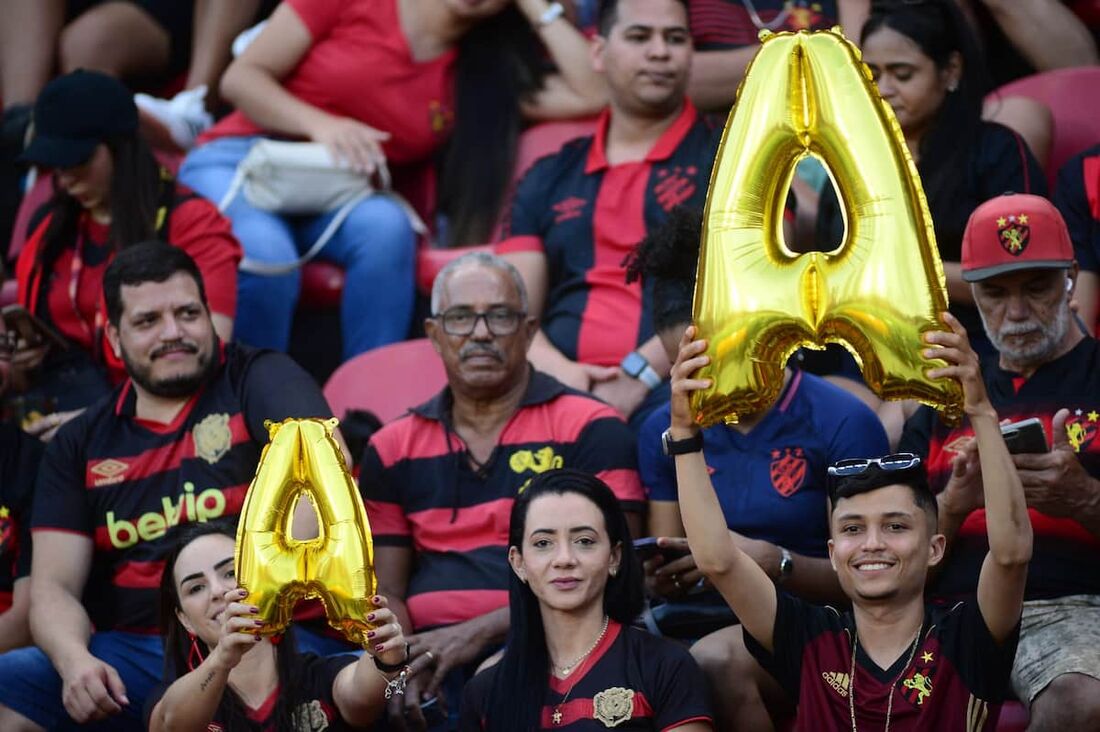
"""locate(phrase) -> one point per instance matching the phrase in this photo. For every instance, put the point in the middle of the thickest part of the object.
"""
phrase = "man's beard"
(174, 387)
(1039, 352)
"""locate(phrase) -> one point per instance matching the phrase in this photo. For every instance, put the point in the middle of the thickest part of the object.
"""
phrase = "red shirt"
(360, 66)
(194, 225)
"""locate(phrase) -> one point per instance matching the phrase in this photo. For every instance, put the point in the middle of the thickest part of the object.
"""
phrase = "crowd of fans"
(784, 559)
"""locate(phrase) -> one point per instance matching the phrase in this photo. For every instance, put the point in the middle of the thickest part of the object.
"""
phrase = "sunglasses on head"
(858, 466)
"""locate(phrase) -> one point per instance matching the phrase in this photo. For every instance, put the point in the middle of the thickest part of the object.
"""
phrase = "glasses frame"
(517, 315)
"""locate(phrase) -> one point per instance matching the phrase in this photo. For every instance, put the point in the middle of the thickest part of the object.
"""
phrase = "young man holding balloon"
(1019, 259)
(892, 660)
(178, 442)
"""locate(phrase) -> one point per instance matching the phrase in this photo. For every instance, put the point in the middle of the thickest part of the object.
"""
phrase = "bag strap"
(251, 266)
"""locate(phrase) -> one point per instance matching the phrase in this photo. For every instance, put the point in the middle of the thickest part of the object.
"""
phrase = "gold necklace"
(567, 669)
(852, 682)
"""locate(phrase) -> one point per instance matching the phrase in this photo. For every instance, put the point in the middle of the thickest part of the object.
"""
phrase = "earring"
(952, 86)
(194, 654)
(613, 571)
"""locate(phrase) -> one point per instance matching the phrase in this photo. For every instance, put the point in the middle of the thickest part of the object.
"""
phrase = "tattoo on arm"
(206, 681)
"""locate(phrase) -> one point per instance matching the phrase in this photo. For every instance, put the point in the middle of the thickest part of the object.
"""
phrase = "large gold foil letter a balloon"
(303, 459)
(756, 301)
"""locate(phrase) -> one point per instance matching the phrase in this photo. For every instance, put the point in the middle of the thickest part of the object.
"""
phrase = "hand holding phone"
(647, 548)
(1025, 436)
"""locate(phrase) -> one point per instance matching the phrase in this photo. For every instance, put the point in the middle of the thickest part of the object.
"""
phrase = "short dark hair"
(874, 478)
(608, 13)
(666, 261)
(148, 261)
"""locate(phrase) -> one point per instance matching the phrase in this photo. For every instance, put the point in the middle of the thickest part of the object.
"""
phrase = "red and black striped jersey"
(124, 482)
(19, 457)
(587, 215)
(718, 25)
(957, 678)
(421, 491)
(1065, 557)
(631, 681)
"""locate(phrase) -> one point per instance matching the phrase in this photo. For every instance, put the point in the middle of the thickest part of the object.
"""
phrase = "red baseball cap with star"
(1012, 232)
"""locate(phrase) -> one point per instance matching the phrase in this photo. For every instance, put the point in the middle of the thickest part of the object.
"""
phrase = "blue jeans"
(30, 686)
(375, 245)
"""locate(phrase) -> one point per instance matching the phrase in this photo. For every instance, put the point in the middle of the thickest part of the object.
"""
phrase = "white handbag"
(301, 178)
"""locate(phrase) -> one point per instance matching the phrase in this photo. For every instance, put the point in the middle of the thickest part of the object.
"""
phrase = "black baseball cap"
(76, 112)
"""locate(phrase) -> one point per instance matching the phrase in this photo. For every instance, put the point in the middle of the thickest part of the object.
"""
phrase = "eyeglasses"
(461, 321)
(858, 466)
(8, 342)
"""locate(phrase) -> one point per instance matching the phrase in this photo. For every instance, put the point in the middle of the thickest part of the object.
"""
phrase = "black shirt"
(633, 679)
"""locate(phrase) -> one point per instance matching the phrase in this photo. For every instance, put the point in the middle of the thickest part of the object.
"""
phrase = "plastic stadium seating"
(1076, 109)
(388, 380)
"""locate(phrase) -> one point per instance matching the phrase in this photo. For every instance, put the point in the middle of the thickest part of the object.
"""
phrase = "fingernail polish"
(370, 633)
(259, 623)
(380, 647)
(370, 617)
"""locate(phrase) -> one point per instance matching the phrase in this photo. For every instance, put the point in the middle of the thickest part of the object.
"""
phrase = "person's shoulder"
(566, 160)
(656, 423)
(547, 391)
(830, 403)
(650, 646)
(94, 420)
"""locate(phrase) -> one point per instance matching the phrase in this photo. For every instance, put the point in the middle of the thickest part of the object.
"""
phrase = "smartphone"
(1025, 436)
(647, 548)
(32, 330)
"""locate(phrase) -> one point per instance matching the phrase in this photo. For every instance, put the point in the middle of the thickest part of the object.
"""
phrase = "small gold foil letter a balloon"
(303, 459)
(756, 301)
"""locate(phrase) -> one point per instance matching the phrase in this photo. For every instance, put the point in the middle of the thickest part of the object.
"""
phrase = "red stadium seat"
(1070, 96)
(388, 380)
(430, 261)
(546, 139)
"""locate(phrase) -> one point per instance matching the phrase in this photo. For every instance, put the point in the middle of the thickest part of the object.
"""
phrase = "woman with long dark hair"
(572, 659)
(925, 60)
(110, 193)
(395, 81)
(220, 675)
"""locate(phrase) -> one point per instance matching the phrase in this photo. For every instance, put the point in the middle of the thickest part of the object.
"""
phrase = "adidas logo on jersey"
(838, 680)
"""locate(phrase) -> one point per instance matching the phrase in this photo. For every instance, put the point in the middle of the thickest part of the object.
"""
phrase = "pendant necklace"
(852, 683)
(570, 667)
(776, 22)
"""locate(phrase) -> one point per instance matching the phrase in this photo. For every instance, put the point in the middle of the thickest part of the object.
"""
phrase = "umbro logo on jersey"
(570, 208)
(109, 472)
(838, 680)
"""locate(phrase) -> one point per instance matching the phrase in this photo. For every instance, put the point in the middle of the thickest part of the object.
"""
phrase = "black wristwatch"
(672, 447)
(392, 668)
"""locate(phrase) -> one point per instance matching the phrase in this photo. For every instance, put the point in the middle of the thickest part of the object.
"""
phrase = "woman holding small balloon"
(220, 673)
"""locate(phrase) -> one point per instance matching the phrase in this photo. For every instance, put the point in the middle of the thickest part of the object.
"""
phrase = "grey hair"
(479, 259)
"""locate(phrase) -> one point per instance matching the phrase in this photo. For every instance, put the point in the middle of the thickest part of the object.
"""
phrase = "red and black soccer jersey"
(718, 25)
(587, 216)
(123, 481)
(957, 679)
(1077, 196)
(420, 490)
(1065, 558)
(313, 707)
(19, 457)
(631, 681)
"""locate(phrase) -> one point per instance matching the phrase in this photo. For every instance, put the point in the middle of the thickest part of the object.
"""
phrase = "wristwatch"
(672, 447)
(552, 13)
(786, 565)
(637, 367)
